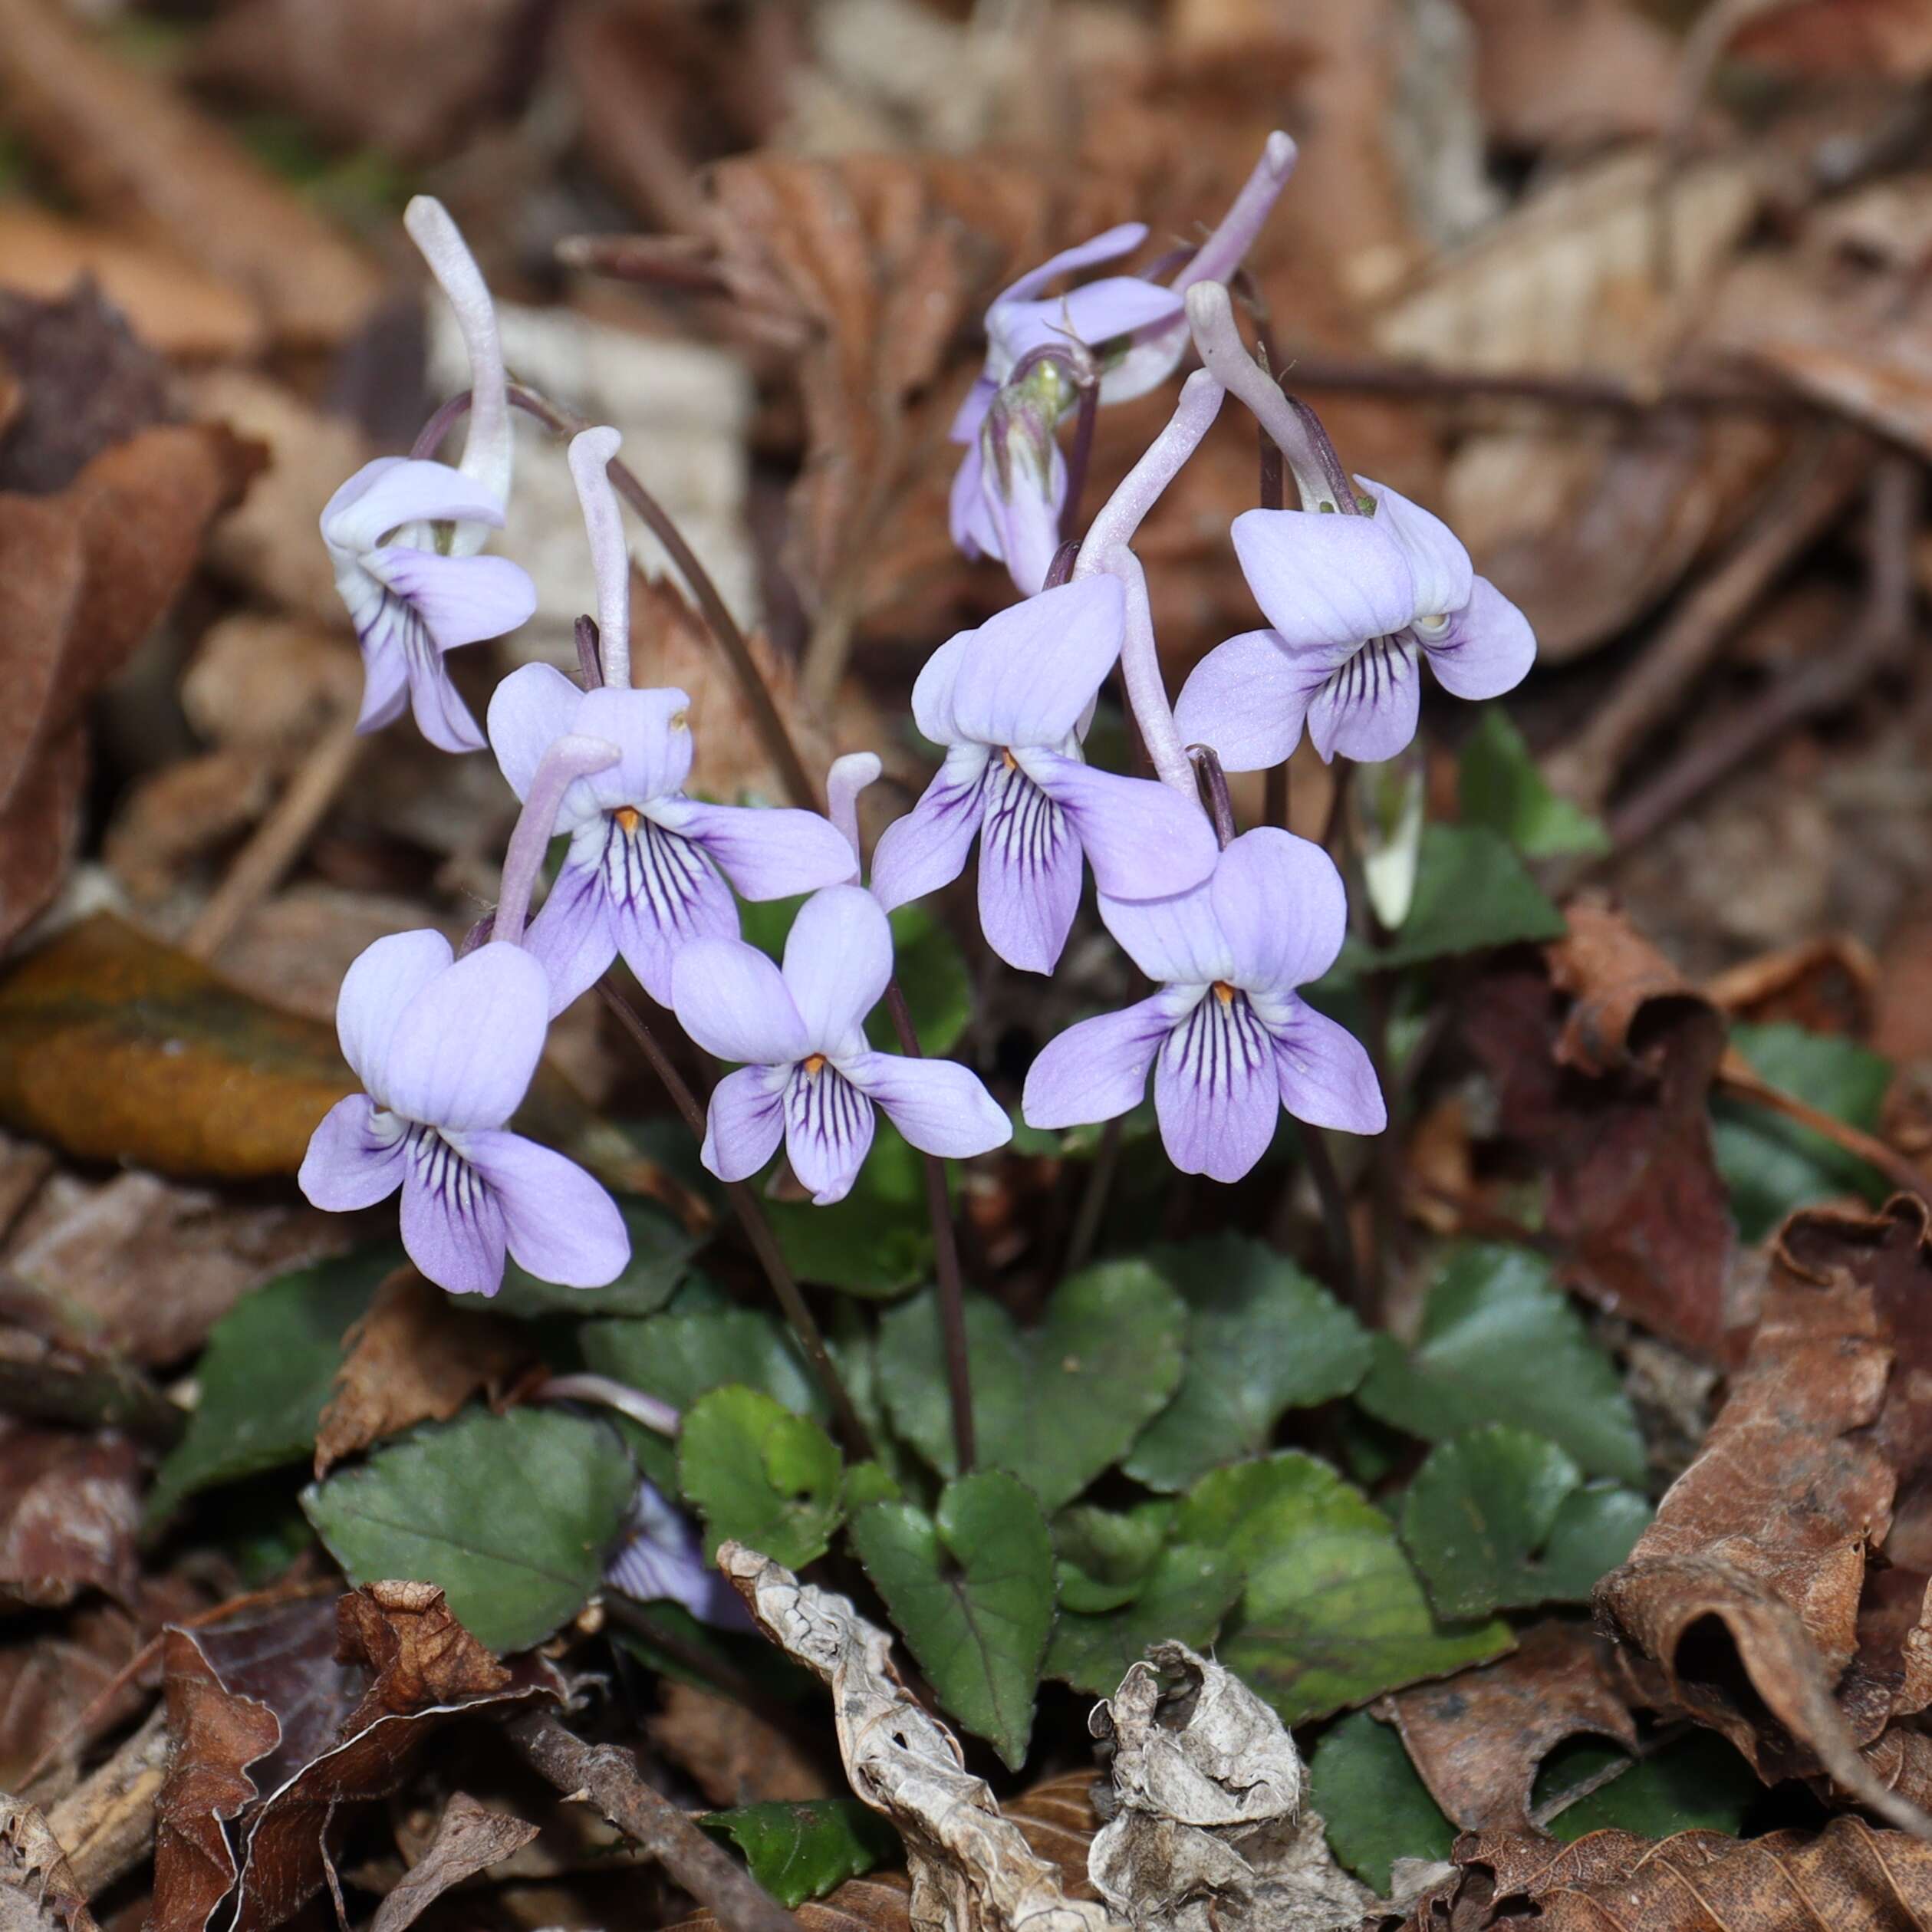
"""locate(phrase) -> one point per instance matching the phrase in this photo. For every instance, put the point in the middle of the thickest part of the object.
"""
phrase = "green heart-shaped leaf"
(1183, 1598)
(804, 1850)
(1499, 786)
(1055, 1405)
(970, 1588)
(1103, 1558)
(762, 1476)
(1375, 1807)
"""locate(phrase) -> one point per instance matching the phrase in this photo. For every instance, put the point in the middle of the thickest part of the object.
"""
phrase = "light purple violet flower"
(661, 1560)
(642, 875)
(1354, 603)
(809, 1077)
(445, 1052)
(1009, 701)
(1229, 1037)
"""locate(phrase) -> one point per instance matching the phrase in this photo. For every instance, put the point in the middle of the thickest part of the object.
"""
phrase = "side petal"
(1438, 561)
(560, 1223)
(1102, 311)
(933, 689)
(385, 680)
(384, 495)
(463, 1052)
(1248, 698)
(574, 937)
(530, 710)
(1177, 940)
(1029, 872)
(766, 851)
(461, 600)
(1033, 667)
(441, 715)
(837, 959)
(746, 1122)
(1367, 709)
(663, 893)
(1097, 1068)
(1108, 246)
(377, 991)
(734, 1002)
(1143, 840)
(652, 731)
(349, 1164)
(927, 848)
(939, 1106)
(1214, 1091)
(1324, 1073)
(452, 1223)
(1324, 578)
(1487, 649)
(1023, 514)
(828, 1127)
(1281, 902)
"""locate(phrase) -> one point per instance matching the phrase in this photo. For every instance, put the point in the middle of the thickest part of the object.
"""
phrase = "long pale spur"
(807, 1076)
(1228, 1036)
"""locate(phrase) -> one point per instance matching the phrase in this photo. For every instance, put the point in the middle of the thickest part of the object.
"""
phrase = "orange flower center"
(814, 1064)
(629, 817)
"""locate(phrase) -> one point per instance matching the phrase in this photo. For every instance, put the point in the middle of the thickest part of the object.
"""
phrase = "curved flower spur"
(1009, 702)
(642, 877)
(403, 533)
(446, 1050)
(1228, 1036)
(809, 1077)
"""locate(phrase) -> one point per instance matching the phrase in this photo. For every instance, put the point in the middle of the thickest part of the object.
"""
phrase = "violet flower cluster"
(1358, 588)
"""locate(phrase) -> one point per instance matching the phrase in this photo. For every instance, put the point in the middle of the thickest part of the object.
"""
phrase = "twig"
(1334, 1216)
(946, 1261)
(1812, 489)
(610, 1777)
(106, 1824)
(757, 1230)
(278, 840)
(1823, 683)
(1735, 1077)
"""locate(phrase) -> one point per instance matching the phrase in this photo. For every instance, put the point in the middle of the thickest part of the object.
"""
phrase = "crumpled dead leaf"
(414, 1358)
(1698, 1881)
(1610, 1084)
(37, 1888)
(70, 1511)
(1205, 1834)
(469, 1839)
(1477, 1739)
(283, 1717)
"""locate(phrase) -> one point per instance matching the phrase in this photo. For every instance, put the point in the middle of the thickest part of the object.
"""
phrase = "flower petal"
(829, 1127)
(1438, 562)
(1324, 578)
(1143, 840)
(652, 732)
(377, 991)
(1248, 699)
(1097, 1068)
(734, 1002)
(1282, 904)
(966, 419)
(385, 680)
(463, 1054)
(1033, 668)
(939, 1106)
(453, 1222)
(1367, 709)
(933, 689)
(663, 893)
(574, 937)
(393, 491)
(531, 709)
(350, 1163)
(1029, 871)
(441, 715)
(1023, 504)
(746, 1122)
(967, 516)
(1177, 940)
(1324, 1073)
(560, 1223)
(766, 851)
(461, 600)
(1214, 1091)
(837, 959)
(662, 1561)
(1122, 239)
(927, 848)
(1487, 648)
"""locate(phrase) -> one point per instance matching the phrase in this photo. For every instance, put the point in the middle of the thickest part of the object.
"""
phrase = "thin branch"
(610, 1777)
(1735, 1077)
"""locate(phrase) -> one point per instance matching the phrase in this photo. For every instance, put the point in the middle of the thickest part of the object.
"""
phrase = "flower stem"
(1093, 1199)
(1334, 1198)
(946, 1260)
(571, 757)
(757, 1230)
(1214, 781)
(590, 456)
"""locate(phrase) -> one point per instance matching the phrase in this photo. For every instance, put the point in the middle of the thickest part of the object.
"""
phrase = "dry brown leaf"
(70, 1508)
(413, 1358)
(1826, 985)
(128, 147)
(175, 307)
(469, 1839)
(1478, 1739)
(1571, 71)
(1892, 38)
(1610, 1085)
(1699, 1881)
(732, 1754)
(37, 1888)
(182, 814)
(271, 684)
